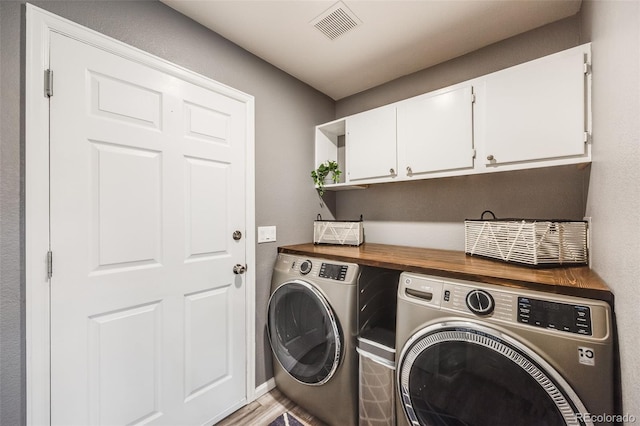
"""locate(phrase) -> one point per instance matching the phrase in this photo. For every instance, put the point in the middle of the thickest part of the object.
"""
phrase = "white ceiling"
(394, 38)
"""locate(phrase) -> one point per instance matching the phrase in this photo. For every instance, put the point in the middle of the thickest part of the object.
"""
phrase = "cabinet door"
(371, 144)
(435, 132)
(536, 111)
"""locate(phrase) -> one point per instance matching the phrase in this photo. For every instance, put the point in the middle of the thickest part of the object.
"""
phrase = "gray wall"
(286, 113)
(614, 194)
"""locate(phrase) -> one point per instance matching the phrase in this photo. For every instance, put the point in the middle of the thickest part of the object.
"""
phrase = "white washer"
(312, 326)
(480, 354)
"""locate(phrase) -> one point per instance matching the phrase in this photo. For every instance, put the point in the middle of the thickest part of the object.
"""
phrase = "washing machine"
(312, 326)
(480, 354)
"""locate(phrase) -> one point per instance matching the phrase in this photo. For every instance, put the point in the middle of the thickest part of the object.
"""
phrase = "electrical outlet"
(266, 234)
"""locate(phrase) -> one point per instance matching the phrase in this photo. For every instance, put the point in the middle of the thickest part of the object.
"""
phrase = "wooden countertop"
(573, 281)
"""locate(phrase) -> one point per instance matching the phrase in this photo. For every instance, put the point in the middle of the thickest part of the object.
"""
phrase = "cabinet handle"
(409, 170)
(490, 157)
(392, 171)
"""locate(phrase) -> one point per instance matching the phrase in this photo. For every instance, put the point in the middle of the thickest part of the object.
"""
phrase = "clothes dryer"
(480, 354)
(312, 326)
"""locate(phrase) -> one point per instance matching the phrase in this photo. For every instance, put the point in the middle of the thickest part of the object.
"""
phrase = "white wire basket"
(338, 232)
(528, 241)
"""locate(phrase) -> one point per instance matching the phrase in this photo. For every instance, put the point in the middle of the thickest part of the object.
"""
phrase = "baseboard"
(265, 388)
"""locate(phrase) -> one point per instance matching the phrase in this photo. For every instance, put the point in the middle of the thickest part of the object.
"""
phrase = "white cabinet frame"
(535, 87)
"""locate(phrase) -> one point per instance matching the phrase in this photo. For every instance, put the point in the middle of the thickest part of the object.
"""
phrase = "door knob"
(237, 235)
(239, 269)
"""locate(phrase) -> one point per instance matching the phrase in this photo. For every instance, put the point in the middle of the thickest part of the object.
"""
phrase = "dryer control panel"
(334, 272)
(313, 268)
(327, 270)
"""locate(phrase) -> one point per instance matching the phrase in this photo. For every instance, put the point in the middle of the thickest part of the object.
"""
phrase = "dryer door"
(461, 373)
(305, 335)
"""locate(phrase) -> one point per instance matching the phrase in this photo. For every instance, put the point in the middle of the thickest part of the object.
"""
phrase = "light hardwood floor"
(265, 409)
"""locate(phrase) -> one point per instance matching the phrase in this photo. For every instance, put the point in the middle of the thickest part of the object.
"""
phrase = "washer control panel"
(562, 313)
(555, 315)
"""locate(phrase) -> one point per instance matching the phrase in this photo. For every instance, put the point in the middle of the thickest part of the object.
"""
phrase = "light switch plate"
(266, 234)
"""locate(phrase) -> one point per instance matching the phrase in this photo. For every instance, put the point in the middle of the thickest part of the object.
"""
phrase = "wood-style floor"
(265, 409)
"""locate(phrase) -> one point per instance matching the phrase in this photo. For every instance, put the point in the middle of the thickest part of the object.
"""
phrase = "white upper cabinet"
(537, 114)
(535, 111)
(435, 132)
(371, 144)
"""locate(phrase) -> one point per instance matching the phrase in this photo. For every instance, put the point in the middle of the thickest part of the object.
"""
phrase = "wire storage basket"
(338, 232)
(530, 242)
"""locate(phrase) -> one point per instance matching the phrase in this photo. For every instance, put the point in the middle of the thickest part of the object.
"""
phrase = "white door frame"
(40, 25)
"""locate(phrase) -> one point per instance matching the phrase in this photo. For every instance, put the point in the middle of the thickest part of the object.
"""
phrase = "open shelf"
(330, 146)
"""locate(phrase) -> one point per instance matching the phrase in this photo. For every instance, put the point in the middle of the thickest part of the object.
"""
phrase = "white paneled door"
(147, 184)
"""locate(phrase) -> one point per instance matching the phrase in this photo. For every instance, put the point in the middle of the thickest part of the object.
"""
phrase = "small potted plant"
(321, 175)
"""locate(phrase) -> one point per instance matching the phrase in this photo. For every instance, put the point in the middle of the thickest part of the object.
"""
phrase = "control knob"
(480, 302)
(305, 267)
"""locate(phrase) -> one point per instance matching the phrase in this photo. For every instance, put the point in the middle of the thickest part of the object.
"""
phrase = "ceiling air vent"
(336, 21)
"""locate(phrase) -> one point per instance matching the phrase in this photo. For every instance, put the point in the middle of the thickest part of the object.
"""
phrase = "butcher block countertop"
(578, 281)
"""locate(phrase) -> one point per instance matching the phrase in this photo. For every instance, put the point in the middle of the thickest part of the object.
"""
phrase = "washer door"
(461, 373)
(304, 332)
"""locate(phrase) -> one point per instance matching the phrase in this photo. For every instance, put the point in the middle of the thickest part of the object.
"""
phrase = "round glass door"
(304, 333)
(472, 375)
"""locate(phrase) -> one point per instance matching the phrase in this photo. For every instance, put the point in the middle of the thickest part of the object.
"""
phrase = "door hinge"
(48, 83)
(586, 68)
(473, 153)
(49, 264)
(473, 98)
(586, 137)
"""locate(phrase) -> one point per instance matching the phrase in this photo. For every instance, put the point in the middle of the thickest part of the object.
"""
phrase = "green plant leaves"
(320, 174)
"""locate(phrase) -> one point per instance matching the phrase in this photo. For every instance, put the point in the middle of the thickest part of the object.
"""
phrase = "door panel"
(435, 132)
(126, 177)
(207, 361)
(110, 97)
(205, 185)
(147, 187)
(206, 124)
(371, 144)
(127, 339)
(536, 111)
